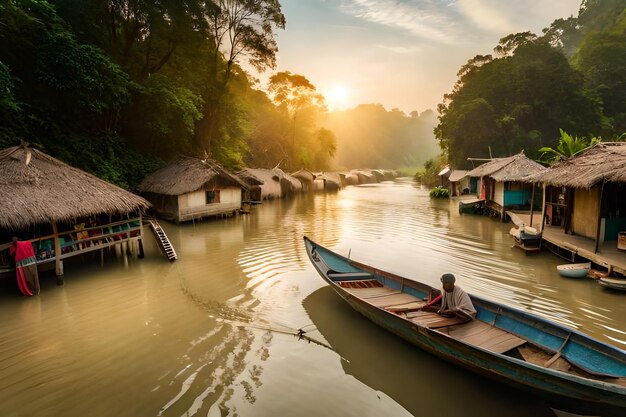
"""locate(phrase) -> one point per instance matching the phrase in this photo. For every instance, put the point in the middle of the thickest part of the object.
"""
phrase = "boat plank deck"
(488, 337)
(392, 300)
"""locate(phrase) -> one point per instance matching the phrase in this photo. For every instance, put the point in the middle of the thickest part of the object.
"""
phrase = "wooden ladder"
(163, 241)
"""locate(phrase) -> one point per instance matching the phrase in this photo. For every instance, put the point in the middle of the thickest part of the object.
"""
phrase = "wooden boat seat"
(347, 275)
(486, 336)
(432, 320)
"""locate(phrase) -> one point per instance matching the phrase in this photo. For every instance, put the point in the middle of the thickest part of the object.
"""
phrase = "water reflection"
(212, 333)
(421, 383)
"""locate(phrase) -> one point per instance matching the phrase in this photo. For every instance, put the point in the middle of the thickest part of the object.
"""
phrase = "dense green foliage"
(428, 176)
(520, 99)
(440, 192)
(567, 147)
(118, 87)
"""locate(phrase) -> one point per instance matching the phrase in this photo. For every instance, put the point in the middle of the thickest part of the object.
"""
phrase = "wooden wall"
(585, 214)
(193, 205)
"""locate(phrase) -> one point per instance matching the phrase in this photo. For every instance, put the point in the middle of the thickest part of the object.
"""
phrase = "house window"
(212, 196)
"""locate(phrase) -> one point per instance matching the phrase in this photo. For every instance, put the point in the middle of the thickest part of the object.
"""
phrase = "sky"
(400, 53)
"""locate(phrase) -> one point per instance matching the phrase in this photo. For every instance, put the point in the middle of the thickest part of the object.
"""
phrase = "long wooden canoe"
(570, 369)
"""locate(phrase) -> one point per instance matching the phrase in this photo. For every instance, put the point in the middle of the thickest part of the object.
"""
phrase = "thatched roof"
(185, 175)
(37, 188)
(457, 175)
(304, 175)
(513, 168)
(260, 175)
(603, 162)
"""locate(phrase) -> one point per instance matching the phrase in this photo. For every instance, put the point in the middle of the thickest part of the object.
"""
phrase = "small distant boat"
(613, 283)
(574, 270)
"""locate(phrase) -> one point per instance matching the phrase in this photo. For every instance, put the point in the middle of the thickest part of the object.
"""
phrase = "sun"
(338, 96)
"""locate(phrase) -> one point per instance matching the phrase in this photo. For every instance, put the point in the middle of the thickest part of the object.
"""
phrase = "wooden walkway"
(607, 256)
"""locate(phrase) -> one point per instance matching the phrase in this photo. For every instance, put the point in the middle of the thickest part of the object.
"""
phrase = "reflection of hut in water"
(190, 188)
(275, 183)
(584, 195)
(504, 183)
(62, 210)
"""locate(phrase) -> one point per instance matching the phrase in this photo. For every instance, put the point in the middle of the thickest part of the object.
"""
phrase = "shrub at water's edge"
(440, 192)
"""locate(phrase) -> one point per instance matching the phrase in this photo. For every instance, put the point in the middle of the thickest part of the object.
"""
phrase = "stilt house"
(504, 182)
(61, 210)
(191, 188)
(584, 195)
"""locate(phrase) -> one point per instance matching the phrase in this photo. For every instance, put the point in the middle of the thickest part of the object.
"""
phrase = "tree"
(10, 111)
(515, 102)
(298, 99)
(238, 28)
(602, 60)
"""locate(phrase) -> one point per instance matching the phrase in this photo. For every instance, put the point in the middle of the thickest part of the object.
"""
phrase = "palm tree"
(568, 147)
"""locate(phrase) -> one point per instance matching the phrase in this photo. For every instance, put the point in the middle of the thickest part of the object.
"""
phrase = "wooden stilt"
(58, 263)
(599, 218)
(141, 254)
(532, 205)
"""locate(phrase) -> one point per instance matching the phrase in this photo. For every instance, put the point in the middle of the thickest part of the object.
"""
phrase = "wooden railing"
(99, 236)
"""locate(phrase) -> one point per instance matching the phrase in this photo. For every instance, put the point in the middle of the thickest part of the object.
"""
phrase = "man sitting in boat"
(454, 301)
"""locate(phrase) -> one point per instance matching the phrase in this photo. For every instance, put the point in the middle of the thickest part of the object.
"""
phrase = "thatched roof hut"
(513, 168)
(331, 180)
(37, 188)
(457, 175)
(275, 182)
(304, 175)
(604, 162)
(187, 174)
(191, 188)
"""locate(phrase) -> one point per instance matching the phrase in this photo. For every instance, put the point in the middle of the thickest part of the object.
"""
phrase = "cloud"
(459, 21)
(488, 15)
(430, 19)
(399, 49)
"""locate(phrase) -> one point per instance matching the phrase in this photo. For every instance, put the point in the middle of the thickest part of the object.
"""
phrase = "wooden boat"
(471, 206)
(574, 270)
(528, 239)
(613, 283)
(572, 370)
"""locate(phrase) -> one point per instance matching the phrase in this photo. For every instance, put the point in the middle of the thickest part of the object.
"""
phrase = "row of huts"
(582, 196)
(190, 188)
(65, 212)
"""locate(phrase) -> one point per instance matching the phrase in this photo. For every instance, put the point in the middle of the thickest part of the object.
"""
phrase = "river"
(211, 334)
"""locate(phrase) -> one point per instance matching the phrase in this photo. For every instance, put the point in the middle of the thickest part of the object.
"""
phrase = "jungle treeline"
(572, 77)
(119, 87)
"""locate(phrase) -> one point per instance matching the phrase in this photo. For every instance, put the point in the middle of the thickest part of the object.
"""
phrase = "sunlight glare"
(337, 96)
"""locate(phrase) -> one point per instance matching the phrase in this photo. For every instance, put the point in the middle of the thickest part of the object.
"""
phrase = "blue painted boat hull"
(562, 390)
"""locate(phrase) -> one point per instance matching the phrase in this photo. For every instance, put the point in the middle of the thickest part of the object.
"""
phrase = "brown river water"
(211, 334)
